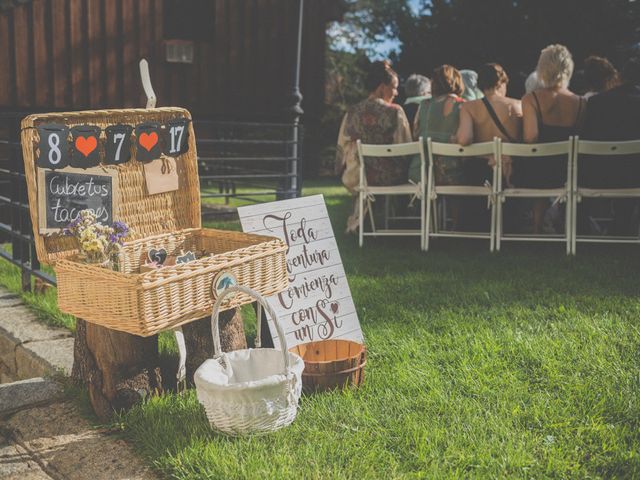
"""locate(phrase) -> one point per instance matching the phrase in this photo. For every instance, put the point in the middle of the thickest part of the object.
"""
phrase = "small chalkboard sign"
(62, 194)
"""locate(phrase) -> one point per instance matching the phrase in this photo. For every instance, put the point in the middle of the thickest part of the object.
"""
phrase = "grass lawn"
(523, 364)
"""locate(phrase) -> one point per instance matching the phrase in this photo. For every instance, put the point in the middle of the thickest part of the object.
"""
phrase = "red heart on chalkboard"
(334, 307)
(86, 145)
(148, 140)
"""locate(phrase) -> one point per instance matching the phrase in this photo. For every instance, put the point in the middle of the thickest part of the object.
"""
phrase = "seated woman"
(533, 82)
(495, 115)
(550, 114)
(375, 120)
(438, 119)
(470, 80)
(417, 88)
(599, 76)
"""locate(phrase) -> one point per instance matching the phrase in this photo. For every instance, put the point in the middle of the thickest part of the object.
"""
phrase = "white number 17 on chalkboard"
(177, 141)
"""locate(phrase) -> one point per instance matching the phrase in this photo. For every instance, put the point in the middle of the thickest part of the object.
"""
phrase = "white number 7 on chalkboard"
(118, 137)
(176, 131)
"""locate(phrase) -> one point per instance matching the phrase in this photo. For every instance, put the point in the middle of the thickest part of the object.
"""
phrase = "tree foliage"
(467, 33)
(366, 23)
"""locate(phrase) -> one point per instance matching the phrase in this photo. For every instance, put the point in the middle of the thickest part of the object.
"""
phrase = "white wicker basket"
(251, 390)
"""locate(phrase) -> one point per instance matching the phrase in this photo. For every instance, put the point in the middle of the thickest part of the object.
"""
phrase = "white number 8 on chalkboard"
(55, 150)
(54, 146)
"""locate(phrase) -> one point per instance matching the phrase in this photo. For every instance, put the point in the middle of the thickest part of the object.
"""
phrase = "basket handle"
(217, 349)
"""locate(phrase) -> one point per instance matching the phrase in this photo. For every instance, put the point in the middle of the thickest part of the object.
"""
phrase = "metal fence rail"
(251, 161)
(15, 222)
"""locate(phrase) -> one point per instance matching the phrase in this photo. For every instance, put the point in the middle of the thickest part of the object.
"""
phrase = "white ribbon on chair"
(491, 198)
(560, 199)
(417, 195)
(369, 199)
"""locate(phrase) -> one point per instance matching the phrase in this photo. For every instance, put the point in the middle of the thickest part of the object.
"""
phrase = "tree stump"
(199, 342)
(118, 369)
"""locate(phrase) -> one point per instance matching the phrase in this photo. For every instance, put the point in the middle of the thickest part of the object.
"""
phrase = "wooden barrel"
(331, 364)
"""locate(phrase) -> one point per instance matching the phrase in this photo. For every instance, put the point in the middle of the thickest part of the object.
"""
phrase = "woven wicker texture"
(249, 391)
(144, 304)
(146, 214)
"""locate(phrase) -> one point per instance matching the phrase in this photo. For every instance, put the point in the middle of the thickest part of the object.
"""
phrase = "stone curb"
(28, 348)
(28, 393)
(42, 436)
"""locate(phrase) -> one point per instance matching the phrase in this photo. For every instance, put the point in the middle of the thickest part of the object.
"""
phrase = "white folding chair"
(609, 151)
(482, 150)
(561, 194)
(367, 193)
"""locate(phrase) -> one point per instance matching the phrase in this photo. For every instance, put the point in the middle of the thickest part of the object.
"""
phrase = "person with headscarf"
(417, 88)
(470, 80)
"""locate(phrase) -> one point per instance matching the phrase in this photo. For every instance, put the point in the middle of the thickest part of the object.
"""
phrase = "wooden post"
(199, 343)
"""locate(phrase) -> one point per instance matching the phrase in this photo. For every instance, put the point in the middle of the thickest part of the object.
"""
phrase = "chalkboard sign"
(62, 194)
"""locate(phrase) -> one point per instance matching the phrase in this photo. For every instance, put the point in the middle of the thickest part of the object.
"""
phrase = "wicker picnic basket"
(249, 391)
(146, 303)
(331, 364)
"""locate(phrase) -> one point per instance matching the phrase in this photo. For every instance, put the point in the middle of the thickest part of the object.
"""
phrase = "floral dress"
(371, 121)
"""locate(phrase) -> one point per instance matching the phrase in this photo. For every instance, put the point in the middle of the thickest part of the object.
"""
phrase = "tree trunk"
(119, 369)
(199, 342)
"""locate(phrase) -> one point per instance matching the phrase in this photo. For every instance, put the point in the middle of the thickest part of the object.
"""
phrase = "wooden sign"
(62, 194)
(318, 304)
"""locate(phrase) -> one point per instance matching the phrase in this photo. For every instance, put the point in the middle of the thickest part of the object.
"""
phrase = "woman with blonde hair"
(550, 114)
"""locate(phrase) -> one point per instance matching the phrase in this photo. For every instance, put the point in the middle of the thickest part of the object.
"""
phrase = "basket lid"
(145, 214)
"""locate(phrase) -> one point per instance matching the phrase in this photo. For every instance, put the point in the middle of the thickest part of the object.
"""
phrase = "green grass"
(45, 305)
(522, 364)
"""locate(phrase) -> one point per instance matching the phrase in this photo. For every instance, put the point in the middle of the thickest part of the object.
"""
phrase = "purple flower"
(120, 227)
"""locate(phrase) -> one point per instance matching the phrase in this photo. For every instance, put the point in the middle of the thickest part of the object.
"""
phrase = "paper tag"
(186, 258)
(161, 175)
